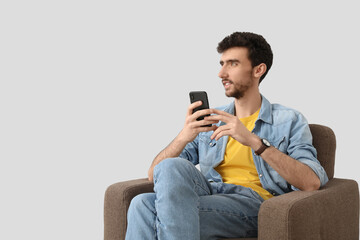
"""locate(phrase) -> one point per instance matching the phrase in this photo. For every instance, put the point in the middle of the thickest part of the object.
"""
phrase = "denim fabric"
(285, 128)
(186, 206)
(189, 204)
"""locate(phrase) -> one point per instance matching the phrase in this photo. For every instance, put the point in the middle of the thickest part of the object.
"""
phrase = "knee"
(173, 163)
(140, 202)
(136, 202)
(170, 167)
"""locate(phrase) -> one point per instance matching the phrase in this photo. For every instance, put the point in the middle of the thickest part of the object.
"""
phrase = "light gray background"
(91, 91)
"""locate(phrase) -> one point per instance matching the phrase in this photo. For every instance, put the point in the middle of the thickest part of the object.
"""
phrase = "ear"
(259, 70)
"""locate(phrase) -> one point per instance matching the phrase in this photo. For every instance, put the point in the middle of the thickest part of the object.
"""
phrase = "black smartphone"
(200, 96)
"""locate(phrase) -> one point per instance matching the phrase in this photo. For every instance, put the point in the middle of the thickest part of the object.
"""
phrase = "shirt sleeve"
(301, 148)
(191, 152)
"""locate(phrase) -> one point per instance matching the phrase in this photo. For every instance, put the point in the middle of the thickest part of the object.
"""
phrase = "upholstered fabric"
(329, 213)
(117, 200)
(325, 143)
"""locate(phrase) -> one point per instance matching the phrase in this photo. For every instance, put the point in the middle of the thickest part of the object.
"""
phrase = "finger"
(200, 113)
(219, 130)
(203, 122)
(193, 106)
(208, 129)
(219, 112)
(221, 134)
(222, 118)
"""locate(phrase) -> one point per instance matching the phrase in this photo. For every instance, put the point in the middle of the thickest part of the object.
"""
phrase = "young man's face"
(236, 72)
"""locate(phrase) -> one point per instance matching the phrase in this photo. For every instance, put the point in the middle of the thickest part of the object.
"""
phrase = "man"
(253, 151)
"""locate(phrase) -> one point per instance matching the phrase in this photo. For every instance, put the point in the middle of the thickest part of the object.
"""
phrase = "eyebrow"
(229, 60)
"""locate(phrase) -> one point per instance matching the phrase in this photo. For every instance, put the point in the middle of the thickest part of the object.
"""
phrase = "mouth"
(227, 83)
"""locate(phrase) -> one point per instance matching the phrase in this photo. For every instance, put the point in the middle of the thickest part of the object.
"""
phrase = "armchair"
(331, 212)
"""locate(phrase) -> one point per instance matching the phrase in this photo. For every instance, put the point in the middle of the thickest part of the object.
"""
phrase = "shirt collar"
(265, 111)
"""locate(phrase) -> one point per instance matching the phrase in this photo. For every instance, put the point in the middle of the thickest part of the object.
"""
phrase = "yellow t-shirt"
(238, 165)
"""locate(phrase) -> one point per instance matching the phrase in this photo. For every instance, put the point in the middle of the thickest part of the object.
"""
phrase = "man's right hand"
(192, 127)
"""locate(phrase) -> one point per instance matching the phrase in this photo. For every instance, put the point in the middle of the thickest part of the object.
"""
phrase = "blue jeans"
(186, 206)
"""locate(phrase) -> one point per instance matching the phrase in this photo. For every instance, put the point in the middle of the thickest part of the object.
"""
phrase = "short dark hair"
(258, 48)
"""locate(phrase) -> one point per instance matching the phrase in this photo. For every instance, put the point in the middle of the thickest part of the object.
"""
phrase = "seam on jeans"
(156, 221)
(243, 216)
(200, 186)
(155, 227)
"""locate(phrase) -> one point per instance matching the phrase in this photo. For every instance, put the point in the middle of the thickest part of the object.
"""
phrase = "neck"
(247, 105)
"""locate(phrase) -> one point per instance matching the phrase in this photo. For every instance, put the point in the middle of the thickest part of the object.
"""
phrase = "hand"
(233, 128)
(193, 127)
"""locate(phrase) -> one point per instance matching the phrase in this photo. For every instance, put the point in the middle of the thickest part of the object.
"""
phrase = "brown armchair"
(329, 213)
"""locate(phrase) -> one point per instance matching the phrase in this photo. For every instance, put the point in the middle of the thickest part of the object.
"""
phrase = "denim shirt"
(285, 128)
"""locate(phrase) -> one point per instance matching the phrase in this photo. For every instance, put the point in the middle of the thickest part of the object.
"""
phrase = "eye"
(234, 64)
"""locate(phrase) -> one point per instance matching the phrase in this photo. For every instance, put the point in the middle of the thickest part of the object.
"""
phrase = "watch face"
(266, 142)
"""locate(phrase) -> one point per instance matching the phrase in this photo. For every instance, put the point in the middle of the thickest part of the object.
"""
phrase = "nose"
(223, 73)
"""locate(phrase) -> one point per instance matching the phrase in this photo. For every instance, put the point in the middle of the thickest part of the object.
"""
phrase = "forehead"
(239, 53)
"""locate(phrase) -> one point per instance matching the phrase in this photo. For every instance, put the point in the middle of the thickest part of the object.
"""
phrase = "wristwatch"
(265, 145)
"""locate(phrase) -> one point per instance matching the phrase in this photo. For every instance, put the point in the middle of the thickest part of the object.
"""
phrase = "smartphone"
(200, 96)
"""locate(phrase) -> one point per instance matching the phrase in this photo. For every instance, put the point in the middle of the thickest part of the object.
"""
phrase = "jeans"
(187, 206)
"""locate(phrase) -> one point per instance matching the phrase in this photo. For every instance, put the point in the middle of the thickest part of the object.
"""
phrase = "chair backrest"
(324, 141)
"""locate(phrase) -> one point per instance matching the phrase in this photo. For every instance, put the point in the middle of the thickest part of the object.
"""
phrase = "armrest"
(329, 213)
(117, 200)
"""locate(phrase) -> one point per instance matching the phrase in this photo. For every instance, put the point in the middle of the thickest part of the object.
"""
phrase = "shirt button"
(212, 144)
(260, 175)
(274, 194)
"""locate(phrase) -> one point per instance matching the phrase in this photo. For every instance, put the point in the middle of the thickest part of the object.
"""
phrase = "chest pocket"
(210, 151)
(206, 141)
(280, 143)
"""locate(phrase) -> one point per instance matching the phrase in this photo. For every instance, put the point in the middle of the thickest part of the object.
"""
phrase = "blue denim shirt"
(285, 128)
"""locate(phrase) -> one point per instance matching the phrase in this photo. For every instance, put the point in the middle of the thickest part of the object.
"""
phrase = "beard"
(239, 90)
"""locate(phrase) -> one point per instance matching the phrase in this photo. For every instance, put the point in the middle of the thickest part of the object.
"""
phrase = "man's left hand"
(233, 128)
